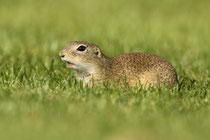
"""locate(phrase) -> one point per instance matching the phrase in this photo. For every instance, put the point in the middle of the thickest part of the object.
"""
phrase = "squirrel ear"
(97, 51)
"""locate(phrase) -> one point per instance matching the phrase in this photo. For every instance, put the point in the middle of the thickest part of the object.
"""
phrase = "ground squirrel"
(133, 69)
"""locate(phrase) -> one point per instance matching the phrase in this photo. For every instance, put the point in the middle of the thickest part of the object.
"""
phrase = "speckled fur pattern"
(133, 69)
(151, 70)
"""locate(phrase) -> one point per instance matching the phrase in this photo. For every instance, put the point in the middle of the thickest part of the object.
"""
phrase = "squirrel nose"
(61, 55)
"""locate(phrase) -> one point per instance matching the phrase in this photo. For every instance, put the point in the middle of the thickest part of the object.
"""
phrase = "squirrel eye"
(81, 48)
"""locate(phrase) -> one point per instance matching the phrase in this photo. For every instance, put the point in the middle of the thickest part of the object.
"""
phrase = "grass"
(40, 98)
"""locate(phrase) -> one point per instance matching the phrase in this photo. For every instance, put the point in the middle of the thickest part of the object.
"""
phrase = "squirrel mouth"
(69, 64)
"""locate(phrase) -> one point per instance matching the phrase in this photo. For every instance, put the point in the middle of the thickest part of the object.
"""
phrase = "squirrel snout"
(61, 54)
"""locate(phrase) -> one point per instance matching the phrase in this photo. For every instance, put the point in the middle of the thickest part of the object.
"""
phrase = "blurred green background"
(40, 98)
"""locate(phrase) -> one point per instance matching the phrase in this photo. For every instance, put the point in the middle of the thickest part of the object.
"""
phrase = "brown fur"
(135, 69)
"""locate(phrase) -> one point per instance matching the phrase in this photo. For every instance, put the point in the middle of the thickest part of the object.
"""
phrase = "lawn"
(40, 98)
